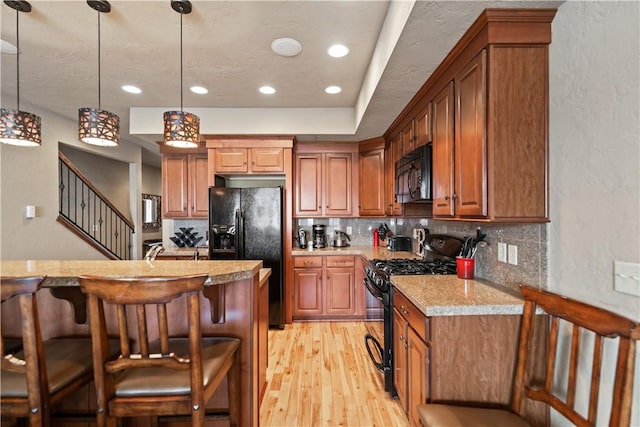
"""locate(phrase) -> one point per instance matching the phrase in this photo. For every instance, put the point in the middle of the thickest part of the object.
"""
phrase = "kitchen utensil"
(384, 232)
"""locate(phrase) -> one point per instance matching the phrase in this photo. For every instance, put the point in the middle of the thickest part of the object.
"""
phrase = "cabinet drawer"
(307, 262)
(417, 321)
(340, 261)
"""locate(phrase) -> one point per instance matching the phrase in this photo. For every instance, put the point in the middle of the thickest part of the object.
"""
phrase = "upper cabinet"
(325, 179)
(249, 160)
(184, 185)
(488, 104)
(392, 152)
(372, 188)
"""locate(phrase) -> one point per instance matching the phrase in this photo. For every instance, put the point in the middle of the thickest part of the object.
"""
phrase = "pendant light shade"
(97, 126)
(19, 127)
(181, 129)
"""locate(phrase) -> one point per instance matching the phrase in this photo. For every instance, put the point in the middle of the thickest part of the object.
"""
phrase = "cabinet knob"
(454, 196)
(447, 197)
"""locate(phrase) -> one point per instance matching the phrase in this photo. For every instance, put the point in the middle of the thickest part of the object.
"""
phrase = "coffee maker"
(319, 236)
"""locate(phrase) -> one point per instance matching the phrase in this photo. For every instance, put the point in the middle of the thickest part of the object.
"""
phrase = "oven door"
(374, 339)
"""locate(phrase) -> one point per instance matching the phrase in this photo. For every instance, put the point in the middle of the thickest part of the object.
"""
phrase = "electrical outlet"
(349, 229)
(512, 254)
(626, 278)
(502, 252)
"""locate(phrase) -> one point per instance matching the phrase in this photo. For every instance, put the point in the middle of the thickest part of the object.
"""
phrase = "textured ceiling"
(227, 50)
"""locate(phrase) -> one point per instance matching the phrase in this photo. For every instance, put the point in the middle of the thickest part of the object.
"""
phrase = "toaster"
(399, 243)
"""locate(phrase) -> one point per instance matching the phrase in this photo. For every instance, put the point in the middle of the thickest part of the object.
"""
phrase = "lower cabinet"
(325, 287)
(410, 356)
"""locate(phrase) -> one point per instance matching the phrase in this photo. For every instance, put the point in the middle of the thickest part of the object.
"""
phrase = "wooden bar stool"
(169, 376)
(39, 374)
(586, 324)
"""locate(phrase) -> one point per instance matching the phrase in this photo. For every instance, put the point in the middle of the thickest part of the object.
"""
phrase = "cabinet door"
(408, 141)
(338, 185)
(418, 379)
(198, 186)
(268, 159)
(308, 185)
(307, 284)
(372, 186)
(470, 143)
(174, 185)
(400, 357)
(443, 152)
(340, 291)
(231, 160)
(392, 153)
(423, 127)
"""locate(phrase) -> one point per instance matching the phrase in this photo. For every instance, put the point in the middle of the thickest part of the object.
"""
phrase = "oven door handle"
(371, 339)
(375, 292)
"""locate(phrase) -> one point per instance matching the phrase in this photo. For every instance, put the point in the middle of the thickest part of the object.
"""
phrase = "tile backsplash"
(530, 239)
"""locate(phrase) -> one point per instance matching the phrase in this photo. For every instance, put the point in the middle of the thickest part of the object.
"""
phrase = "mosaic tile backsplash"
(531, 240)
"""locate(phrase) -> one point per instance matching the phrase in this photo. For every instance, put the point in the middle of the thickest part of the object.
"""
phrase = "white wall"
(29, 176)
(595, 158)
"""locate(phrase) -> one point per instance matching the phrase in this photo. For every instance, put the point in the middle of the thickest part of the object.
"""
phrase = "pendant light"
(96, 126)
(181, 129)
(19, 127)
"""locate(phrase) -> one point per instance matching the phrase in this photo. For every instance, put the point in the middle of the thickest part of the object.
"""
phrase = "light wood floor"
(320, 375)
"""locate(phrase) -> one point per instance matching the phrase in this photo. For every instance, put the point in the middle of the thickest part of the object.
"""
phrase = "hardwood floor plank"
(320, 375)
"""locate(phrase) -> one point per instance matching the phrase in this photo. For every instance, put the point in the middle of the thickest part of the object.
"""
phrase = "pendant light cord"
(181, 89)
(99, 13)
(18, 58)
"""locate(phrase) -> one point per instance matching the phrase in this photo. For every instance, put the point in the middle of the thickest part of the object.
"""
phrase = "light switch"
(502, 252)
(512, 254)
(626, 278)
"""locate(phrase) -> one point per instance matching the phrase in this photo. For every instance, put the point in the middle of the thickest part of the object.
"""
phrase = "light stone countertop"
(437, 295)
(369, 252)
(65, 272)
(447, 295)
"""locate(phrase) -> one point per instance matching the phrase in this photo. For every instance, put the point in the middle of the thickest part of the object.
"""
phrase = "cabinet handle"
(454, 196)
(447, 197)
(401, 337)
(405, 311)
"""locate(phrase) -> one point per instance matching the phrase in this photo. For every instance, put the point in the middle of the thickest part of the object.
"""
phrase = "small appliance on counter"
(341, 239)
(319, 236)
(302, 239)
(399, 243)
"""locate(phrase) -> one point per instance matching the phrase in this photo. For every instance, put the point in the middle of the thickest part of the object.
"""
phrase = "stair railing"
(90, 215)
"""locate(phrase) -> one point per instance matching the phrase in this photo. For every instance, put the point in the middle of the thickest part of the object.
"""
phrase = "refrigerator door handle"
(240, 233)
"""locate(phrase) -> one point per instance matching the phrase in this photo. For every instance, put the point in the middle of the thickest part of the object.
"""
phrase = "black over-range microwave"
(413, 176)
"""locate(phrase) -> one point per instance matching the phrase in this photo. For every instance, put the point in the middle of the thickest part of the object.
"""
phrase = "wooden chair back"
(36, 404)
(134, 296)
(583, 320)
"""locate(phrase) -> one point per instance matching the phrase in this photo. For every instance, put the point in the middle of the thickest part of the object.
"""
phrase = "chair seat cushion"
(158, 381)
(67, 359)
(435, 415)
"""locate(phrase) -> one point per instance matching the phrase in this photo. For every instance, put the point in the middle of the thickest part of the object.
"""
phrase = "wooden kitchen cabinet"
(185, 191)
(408, 138)
(249, 160)
(372, 185)
(490, 120)
(442, 152)
(423, 127)
(392, 152)
(410, 356)
(323, 184)
(460, 159)
(325, 288)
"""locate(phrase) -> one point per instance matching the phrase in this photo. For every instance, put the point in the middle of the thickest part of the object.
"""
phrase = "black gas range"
(439, 258)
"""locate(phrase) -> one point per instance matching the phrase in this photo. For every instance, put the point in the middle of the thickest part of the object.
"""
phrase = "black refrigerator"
(247, 223)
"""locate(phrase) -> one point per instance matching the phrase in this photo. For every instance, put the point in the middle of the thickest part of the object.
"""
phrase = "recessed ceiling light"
(267, 90)
(332, 90)
(199, 90)
(338, 50)
(131, 89)
(286, 47)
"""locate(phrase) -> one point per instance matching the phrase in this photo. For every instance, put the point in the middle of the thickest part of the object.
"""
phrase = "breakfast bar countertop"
(65, 272)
